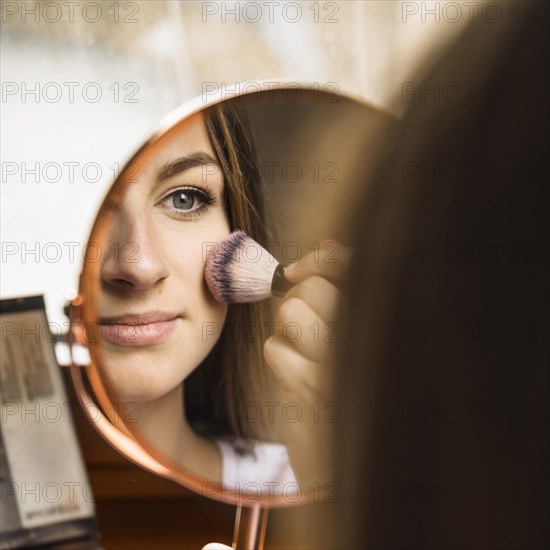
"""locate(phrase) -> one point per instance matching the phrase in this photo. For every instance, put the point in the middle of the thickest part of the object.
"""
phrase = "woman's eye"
(187, 202)
(183, 200)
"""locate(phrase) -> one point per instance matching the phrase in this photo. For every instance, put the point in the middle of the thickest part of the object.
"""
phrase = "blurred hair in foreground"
(443, 427)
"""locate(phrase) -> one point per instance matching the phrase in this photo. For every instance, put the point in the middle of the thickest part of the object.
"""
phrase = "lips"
(138, 330)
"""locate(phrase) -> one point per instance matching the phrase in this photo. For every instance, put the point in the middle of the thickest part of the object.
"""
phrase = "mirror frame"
(120, 437)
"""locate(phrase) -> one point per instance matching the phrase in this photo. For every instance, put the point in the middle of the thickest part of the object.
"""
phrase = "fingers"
(331, 261)
(304, 337)
(299, 326)
(322, 296)
(296, 374)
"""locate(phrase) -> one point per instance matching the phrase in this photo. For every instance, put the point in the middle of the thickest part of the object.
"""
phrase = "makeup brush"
(241, 270)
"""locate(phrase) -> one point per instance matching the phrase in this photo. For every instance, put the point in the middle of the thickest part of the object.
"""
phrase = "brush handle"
(279, 285)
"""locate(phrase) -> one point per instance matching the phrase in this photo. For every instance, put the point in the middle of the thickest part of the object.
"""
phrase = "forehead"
(188, 137)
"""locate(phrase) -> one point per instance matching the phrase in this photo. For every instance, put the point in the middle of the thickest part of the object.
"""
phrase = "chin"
(139, 389)
(138, 393)
(141, 375)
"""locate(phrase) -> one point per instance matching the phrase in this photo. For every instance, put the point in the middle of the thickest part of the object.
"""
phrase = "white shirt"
(266, 465)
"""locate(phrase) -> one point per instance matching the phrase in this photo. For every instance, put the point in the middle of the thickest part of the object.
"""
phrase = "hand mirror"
(178, 381)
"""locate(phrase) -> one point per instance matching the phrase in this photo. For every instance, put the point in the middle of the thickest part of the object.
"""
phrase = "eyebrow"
(186, 163)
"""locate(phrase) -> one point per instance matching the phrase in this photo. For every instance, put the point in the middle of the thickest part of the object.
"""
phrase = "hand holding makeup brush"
(241, 270)
(305, 333)
(302, 358)
(312, 306)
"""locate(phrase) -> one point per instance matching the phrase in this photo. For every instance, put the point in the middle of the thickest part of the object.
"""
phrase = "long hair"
(444, 370)
(234, 375)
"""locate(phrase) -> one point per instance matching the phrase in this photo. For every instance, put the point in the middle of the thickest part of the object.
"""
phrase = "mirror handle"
(250, 527)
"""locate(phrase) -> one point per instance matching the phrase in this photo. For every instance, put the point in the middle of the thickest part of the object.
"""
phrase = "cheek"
(190, 265)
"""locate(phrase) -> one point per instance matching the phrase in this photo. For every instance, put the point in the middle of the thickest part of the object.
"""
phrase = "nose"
(133, 260)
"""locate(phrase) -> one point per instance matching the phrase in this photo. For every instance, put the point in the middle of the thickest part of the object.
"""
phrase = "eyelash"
(205, 195)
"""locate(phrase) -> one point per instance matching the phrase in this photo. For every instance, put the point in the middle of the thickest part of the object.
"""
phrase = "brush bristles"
(240, 270)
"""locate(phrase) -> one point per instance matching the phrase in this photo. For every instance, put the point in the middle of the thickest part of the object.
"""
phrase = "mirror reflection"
(233, 394)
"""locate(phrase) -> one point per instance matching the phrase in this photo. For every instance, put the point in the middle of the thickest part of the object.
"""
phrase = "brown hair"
(234, 373)
(443, 440)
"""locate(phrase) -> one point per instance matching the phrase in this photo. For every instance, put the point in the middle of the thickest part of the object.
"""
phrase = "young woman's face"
(157, 318)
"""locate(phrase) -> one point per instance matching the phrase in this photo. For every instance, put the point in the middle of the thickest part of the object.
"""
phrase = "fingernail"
(289, 269)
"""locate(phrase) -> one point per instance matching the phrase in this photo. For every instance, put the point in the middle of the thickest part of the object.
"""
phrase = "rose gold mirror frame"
(251, 516)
